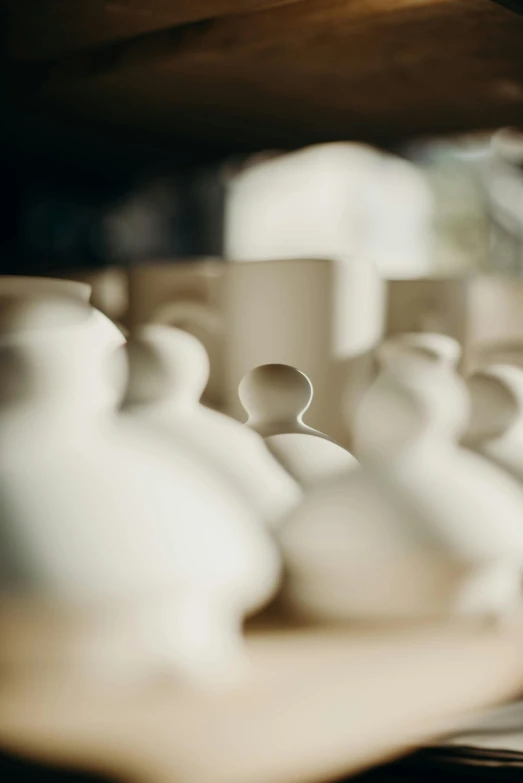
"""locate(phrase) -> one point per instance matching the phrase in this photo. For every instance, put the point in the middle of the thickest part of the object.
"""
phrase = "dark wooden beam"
(513, 5)
(45, 29)
(314, 70)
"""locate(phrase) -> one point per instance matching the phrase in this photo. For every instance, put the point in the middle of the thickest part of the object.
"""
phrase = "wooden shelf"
(257, 73)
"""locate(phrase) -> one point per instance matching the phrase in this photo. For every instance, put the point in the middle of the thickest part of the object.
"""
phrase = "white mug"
(482, 312)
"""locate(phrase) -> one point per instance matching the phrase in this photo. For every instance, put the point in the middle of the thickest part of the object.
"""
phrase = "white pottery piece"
(109, 292)
(428, 345)
(424, 528)
(495, 427)
(98, 515)
(483, 312)
(45, 288)
(276, 398)
(431, 346)
(184, 294)
(331, 200)
(324, 316)
(13, 285)
(169, 369)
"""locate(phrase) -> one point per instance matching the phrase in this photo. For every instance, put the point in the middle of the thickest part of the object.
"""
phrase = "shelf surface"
(248, 74)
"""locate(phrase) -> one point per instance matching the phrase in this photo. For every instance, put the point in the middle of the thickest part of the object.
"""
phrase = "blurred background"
(462, 195)
(123, 125)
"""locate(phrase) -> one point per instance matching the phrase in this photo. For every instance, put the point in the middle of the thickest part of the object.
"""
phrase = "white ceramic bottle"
(424, 528)
(56, 288)
(432, 346)
(169, 370)
(99, 516)
(276, 397)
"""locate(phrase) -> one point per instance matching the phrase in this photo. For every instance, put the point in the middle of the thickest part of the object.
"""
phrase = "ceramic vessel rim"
(19, 334)
(62, 285)
(244, 263)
